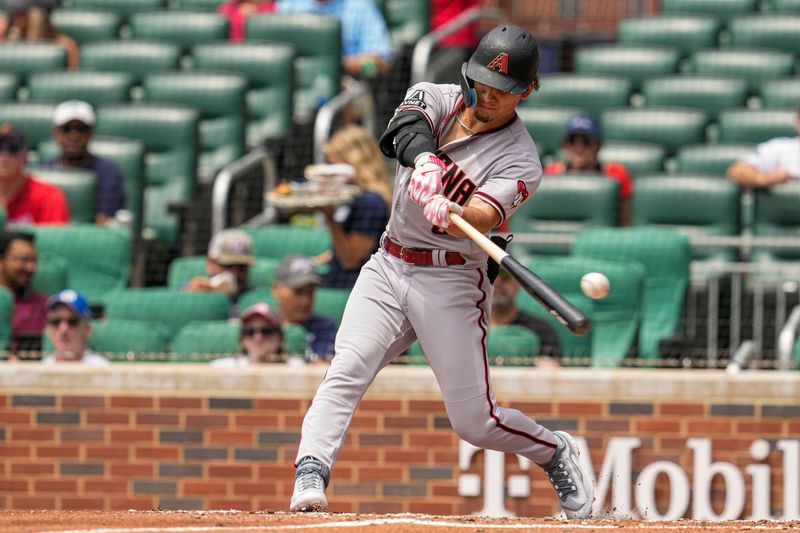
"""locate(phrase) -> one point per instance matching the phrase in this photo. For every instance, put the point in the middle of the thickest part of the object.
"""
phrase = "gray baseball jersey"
(500, 167)
(447, 308)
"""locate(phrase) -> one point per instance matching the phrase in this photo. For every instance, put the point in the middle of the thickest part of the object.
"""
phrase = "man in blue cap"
(69, 329)
(581, 145)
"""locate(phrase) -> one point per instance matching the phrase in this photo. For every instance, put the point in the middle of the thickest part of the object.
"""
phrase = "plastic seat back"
(79, 187)
(85, 25)
(687, 32)
(671, 127)
(756, 125)
(592, 93)
(97, 88)
(24, 58)
(711, 94)
(184, 28)
(280, 240)
(634, 62)
(136, 57)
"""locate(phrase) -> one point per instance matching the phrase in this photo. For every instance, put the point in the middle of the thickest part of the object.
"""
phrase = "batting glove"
(426, 179)
(438, 210)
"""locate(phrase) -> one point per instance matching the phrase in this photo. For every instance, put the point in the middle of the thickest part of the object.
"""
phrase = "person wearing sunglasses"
(73, 129)
(69, 329)
(26, 200)
(260, 337)
(581, 145)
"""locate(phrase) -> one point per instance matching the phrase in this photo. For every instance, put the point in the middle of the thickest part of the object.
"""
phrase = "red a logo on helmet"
(499, 63)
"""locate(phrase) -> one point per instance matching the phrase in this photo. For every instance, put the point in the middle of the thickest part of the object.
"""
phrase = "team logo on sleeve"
(521, 196)
(415, 99)
(499, 63)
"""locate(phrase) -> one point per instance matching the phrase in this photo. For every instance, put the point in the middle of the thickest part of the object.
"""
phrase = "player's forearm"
(479, 218)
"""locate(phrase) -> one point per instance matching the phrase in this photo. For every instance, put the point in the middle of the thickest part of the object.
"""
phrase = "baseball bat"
(547, 296)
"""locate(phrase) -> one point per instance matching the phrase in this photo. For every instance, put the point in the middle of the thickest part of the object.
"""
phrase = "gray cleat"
(572, 485)
(310, 481)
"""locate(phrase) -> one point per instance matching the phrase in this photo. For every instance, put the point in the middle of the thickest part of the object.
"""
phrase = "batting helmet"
(507, 58)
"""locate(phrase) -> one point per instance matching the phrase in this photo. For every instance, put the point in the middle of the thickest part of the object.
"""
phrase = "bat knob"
(581, 327)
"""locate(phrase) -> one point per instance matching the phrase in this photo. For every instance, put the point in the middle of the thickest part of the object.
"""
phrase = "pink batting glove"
(426, 179)
(438, 210)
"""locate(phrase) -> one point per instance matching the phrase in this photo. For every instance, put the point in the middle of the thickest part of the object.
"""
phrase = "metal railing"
(356, 96)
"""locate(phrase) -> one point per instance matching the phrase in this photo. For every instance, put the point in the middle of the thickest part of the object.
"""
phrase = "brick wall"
(191, 437)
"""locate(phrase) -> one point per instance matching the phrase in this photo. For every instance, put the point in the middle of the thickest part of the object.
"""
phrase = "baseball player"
(460, 149)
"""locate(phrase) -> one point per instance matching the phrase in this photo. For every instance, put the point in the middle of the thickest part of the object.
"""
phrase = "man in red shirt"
(581, 144)
(26, 200)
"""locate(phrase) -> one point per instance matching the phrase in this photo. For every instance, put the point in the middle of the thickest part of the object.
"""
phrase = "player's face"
(495, 107)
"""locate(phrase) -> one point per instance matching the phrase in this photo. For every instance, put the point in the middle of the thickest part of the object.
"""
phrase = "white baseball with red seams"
(446, 305)
(595, 285)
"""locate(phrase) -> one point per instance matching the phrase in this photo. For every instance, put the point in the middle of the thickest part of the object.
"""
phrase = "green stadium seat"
(167, 307)
(638, 157)
(588, 92)
(692, 204)
(24, 58)
(754, 65)
(78, 185)
(295, 340)
(198, 340)
(35, 119)
(331, 302)
(269, 70)
(52, 274)
(136, 57)
(721, 9)
(671, 127)
(85, 25)
(126, 340)
(318, 42)
(780, 93)
(564, 204)
(9, 83)
(407, 20)
(169, 135)
(784, 6)
(615, 318)
(665, 255)
(99, 257)
(711, 94)
(280, 240)
(199, 5)
(511, 345)
(184, 28)
(183, 269)
(220, 98)
(97, 88)
(257, 295)
(546, 125)
(123, 8)
(128, 154)
(634, 62)
(777, 215)
(710, 158)
(756, 125)
(686, 32)
(6, 311)
(779, 31)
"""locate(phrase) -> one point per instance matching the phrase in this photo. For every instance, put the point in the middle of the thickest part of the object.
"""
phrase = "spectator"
(73, 123)
(505, 311)
(26, 200)
(238, 10)
(68, 328)
(17, 267)
(293, 287)
(581, 144)
(356, 228)
(228, 261)
(772, 162)
(29, 20)
(366, 44)
(261, 338)
(456, 48)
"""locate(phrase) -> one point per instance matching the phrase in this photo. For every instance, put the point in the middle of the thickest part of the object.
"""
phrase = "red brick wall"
(210, 448)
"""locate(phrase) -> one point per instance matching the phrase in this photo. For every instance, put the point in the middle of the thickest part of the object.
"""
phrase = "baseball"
(595, 285)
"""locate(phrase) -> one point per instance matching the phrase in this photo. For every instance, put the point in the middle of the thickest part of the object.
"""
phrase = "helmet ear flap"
(467, 90)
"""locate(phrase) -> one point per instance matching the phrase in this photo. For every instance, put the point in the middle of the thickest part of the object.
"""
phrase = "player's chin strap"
(492, 268)
(467, 90)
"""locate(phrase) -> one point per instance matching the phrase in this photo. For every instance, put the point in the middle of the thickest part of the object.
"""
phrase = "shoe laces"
(559, 477)
(310, 480)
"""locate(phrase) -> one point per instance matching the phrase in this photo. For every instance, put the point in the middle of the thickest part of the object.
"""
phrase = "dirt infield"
(236, 522)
